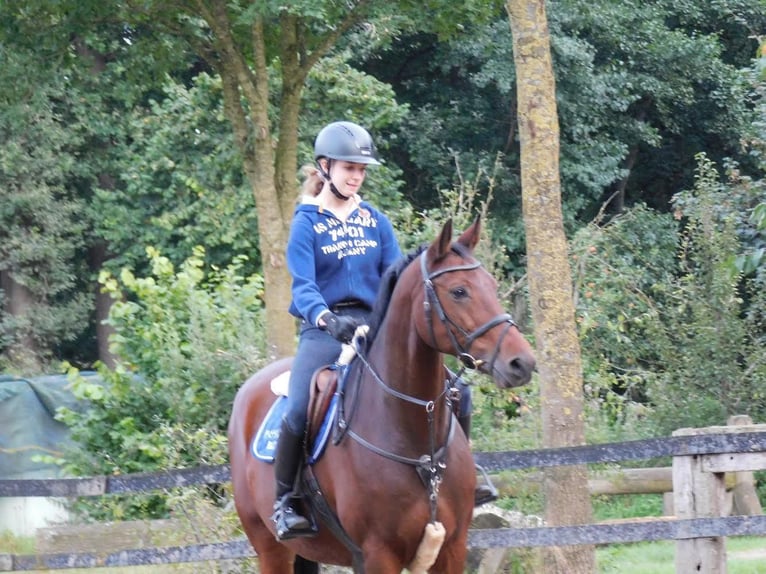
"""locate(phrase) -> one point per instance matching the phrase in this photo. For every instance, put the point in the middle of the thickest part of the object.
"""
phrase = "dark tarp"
(28, 427)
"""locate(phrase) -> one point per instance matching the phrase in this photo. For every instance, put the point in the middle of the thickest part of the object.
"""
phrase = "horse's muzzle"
(516, 372)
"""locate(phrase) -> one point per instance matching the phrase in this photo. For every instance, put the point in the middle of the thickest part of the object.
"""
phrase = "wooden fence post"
(699, 491)
(698, 494)
(745, 496)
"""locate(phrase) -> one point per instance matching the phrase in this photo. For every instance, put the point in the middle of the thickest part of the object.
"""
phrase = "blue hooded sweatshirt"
(331, 261)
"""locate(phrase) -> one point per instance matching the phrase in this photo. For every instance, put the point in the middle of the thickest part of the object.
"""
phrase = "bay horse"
(398, 480)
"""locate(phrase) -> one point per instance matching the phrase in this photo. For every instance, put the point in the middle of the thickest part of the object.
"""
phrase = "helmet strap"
(326, 176)
(337, 193)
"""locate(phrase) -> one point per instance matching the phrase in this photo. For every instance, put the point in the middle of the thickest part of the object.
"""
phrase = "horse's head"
(463, 316)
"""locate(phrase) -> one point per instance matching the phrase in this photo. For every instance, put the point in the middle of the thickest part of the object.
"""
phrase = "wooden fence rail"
(489, 538)
(746, 440)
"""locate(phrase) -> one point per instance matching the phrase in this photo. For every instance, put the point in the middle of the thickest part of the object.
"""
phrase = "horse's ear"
(441, 244)
(470, 236)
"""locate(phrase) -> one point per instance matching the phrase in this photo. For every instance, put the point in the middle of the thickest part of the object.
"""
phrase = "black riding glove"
(340, 327)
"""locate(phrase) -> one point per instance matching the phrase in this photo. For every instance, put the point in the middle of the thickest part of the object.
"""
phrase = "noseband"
(432, 303)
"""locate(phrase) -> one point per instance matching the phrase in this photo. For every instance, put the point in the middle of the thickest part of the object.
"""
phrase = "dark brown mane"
(386, 290)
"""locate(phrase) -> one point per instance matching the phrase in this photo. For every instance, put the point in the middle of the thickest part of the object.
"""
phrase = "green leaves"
(182, 182)
(667, 318)
(173, 318)
(750, 262)
(187, 337)
(41, 223)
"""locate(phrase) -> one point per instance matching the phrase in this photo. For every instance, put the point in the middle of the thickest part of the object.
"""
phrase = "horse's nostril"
(522, 367)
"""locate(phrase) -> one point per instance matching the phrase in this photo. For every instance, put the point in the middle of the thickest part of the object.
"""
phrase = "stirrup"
(289, 524)
(483, 494)
(486, 491)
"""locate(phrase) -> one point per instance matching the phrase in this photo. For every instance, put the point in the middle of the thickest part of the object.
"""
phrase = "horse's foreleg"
(273, 557)
(378, 557)
(381, 564)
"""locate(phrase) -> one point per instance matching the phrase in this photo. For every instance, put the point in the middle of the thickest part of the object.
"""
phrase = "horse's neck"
(410, 367)
(407, 364)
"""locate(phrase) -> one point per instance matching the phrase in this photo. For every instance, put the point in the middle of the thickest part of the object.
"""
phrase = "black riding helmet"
(345, 141)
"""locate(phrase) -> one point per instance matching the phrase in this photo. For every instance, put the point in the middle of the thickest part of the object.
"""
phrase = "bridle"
(430, 467)
(432, 303)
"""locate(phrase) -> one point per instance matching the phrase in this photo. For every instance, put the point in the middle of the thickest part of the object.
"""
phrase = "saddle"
(323, 387)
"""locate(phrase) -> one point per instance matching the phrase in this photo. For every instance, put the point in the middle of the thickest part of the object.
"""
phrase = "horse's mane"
(386, 290)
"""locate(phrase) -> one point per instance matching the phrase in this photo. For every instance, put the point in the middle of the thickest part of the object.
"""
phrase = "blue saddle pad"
(265, 442)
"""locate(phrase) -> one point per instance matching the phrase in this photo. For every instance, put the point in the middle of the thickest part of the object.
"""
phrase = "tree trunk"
(18, 301)
(567, 500)
(252, 131)
(280, 324)
(99, 251)
(97, 258)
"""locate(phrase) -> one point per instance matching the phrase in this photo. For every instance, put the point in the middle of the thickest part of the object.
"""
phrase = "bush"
(714, 364)
(667, 318)
(186, 340)
(622, 275)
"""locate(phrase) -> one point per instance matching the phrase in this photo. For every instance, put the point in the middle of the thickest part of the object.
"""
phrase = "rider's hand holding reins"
(340, 327)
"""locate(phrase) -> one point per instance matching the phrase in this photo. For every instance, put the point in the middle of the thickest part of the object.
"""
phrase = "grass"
(746, 555)
(626, 506)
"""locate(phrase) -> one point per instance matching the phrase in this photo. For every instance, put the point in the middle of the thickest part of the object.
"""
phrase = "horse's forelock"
(462, 250)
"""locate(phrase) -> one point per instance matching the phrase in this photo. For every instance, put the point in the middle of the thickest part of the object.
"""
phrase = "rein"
(430, 467)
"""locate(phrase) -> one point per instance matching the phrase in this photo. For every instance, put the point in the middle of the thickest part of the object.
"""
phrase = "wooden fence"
(740, 493)
(703, 455)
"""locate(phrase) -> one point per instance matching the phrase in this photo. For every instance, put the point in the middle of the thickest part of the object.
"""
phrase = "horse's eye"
(459, 293)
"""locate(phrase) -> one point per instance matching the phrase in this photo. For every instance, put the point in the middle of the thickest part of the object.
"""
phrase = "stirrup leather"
(485, 491)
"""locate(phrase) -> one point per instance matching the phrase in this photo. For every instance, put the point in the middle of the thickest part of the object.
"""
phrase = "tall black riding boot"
(485, 491)
(289, 523)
